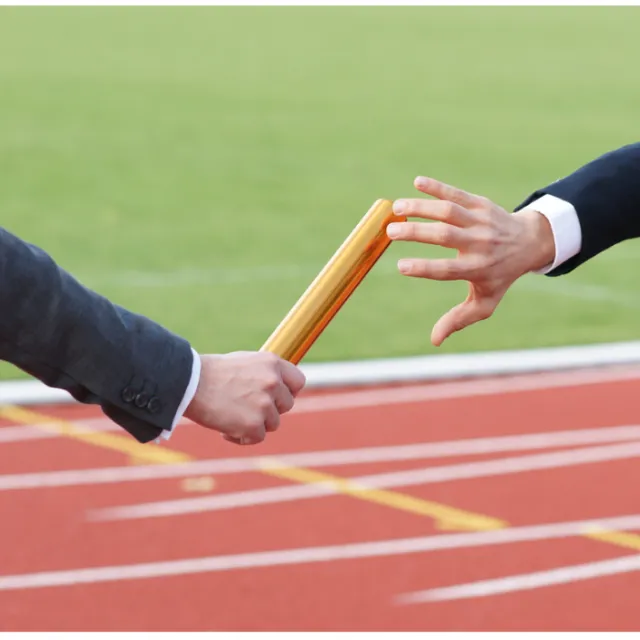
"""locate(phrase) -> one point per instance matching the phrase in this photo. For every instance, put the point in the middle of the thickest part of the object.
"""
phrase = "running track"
(504, 504)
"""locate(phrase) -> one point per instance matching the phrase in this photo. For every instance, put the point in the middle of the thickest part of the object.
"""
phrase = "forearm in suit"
(71, 338)
(606, 196)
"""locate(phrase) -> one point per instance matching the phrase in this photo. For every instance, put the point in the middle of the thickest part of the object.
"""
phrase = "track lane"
(342, 595)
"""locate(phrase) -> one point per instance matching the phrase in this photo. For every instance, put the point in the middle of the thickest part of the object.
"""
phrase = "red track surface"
(47, 529)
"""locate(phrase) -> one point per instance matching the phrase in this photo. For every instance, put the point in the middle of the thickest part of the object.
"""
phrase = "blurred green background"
(200, 165)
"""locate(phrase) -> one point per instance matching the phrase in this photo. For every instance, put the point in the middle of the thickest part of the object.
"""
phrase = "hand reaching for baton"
(495, 248)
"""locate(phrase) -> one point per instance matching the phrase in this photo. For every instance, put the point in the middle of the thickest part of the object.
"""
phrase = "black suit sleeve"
(71, 338)
(606, 196)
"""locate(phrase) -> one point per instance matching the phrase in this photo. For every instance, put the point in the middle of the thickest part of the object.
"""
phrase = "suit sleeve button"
(142, 400)
(154, 405)
(128, 394)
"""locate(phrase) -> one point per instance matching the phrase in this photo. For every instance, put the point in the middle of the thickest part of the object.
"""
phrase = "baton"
(331, 288)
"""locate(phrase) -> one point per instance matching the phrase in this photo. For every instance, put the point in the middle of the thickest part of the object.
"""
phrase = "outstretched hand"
(495, 248)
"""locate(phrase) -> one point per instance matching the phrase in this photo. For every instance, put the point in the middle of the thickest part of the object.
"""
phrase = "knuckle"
(489, 238)
(287, 405)
(447, 192)
(444, 234)
(255, 433)
(409, 230)
(490, 258)
(271, 381)
(264, 403)
(269, 358)
(250, 424)
(481, 268)
(450, 269)
(417, 268)
(257, 436)
(448, 210)
(482, 202)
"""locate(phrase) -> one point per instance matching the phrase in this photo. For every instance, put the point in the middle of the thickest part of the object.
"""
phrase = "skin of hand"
(243, 394)
(494, 248)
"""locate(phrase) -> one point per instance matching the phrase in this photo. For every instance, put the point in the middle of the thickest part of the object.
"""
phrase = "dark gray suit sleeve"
(71, 338)
(606, 196)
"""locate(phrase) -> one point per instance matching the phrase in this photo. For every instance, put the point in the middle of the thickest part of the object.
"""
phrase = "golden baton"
(331, 288)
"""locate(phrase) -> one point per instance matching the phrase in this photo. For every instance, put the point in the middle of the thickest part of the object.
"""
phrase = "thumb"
(469, 312)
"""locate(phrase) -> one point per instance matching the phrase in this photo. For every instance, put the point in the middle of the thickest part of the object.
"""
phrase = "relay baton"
(332, 287)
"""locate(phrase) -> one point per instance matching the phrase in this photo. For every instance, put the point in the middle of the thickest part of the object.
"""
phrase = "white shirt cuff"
(188, 396)
(565, 226)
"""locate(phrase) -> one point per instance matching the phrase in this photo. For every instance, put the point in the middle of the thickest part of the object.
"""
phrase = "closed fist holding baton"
(243, 394)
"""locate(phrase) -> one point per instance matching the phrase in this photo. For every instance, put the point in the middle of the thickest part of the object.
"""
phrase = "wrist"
(196, 390)
(540, 249)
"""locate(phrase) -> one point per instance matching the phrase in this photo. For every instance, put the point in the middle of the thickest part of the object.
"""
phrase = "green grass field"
(200, 165)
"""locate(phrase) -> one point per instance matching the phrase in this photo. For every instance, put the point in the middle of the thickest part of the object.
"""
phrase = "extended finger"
(439, 210)
(444, 191)
(445, 269)
(460, 317)
(441, 234)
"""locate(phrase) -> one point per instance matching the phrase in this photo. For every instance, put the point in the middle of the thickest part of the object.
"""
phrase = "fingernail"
(393, 230)
(404, 266)
(399, 206)
(421, 181)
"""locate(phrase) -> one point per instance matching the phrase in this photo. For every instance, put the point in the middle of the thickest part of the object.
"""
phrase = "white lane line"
(403, 546)
(415, 393)
(337, 457)
(462, 389)
(445, 473)
(405, 370)
(525, 581)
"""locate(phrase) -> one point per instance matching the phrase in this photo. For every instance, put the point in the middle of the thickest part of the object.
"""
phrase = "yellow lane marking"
(112, 441)
(619, 538)
(201, 484)
(446, 517)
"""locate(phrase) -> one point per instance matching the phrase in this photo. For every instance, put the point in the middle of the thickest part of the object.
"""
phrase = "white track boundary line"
(329, 458)
(461, 389)
(413, 477)
(403, 370)
(525, 581)
(340, 401)
(284, 557)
